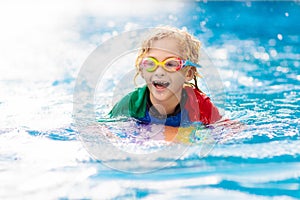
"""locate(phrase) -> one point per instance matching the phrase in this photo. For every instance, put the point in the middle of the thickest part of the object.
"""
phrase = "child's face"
(165, 87)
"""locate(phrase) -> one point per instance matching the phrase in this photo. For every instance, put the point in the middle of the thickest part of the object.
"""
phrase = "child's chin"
(161, 95)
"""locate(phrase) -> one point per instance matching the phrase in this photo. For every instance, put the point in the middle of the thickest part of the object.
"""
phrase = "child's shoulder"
(195, 93)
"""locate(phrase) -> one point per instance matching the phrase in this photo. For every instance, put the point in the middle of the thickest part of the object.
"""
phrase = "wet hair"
(188, 45)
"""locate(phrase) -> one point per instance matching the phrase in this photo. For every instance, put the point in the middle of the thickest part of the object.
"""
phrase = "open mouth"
(160, 84)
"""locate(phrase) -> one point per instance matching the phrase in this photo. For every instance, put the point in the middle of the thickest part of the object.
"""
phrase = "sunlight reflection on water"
(40, 154)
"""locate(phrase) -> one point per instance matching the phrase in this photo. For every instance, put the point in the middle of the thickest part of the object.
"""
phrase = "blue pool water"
(255, 47)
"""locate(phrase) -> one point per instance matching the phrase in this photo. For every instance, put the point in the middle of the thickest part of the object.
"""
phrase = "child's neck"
(166, 107)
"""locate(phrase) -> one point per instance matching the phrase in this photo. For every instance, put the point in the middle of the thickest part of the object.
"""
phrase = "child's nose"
(160, 71)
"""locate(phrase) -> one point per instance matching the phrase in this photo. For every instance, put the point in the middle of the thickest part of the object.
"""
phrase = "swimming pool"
(255, 47)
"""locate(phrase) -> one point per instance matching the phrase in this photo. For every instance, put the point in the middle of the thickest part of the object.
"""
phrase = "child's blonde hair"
(189, 46)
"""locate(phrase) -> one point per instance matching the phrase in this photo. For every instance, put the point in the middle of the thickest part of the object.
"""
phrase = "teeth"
(160, 83)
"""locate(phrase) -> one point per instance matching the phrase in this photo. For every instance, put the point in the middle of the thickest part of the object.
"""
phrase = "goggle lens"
(170, 64)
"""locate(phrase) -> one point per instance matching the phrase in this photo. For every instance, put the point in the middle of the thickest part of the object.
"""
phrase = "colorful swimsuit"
(137, 104)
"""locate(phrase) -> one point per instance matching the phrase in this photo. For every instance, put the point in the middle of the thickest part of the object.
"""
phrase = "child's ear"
(189, 75)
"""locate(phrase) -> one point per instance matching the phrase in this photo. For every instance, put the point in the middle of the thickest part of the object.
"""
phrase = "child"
(167, 62)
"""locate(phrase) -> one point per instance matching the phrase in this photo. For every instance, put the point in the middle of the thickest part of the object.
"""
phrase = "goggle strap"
(190, 63)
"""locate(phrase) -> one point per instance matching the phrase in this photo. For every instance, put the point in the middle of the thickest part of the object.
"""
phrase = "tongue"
(160, 86)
